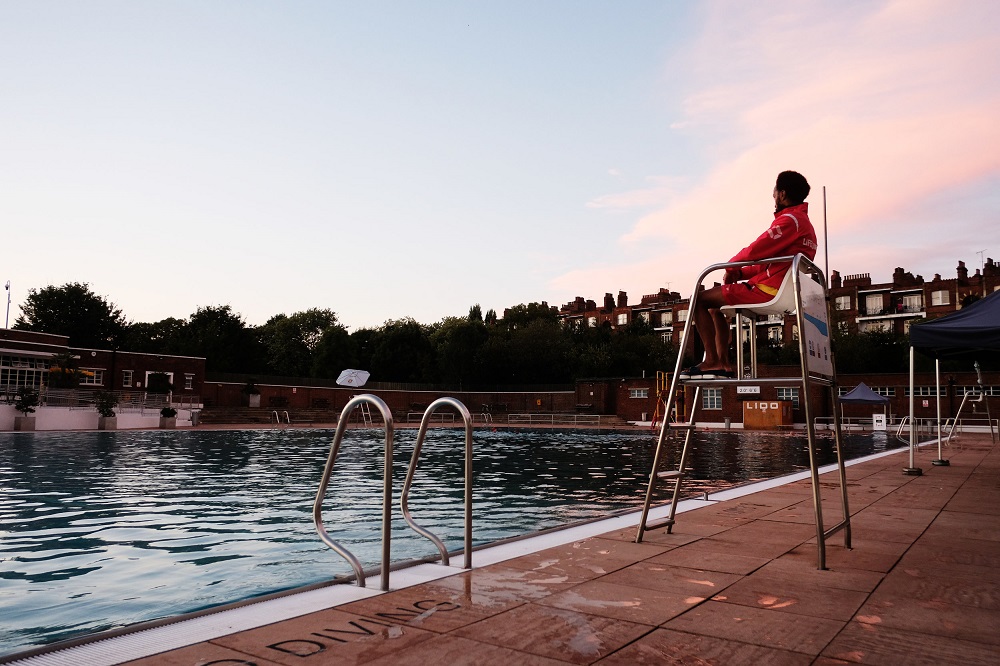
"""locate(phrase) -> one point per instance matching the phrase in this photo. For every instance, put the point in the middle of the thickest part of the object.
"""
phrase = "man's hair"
(793, 184)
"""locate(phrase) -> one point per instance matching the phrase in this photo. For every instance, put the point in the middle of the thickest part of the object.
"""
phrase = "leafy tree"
(335, 352)
(90, 321)
(289, 341)
(491, 317)
(457, 343)
(521, 315)
(159, 382)
(540, 352)
(402, 352)
(223, 338)
(167, 336)
(475, 313)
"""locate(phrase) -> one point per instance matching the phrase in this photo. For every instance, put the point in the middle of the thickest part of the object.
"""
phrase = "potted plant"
(168, 418)
(252, 393)
(25, 401)
(105, 402)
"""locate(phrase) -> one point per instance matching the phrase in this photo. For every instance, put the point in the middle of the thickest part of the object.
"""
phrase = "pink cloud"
(890, 106)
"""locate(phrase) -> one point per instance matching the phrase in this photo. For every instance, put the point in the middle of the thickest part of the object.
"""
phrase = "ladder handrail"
(386, 489)
(414, 459)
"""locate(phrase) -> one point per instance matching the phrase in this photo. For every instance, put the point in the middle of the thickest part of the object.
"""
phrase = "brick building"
(26, 358)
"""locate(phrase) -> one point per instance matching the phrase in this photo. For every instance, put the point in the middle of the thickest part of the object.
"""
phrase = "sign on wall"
(817, 328)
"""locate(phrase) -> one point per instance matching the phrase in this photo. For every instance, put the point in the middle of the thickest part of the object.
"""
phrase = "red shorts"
(742, 293)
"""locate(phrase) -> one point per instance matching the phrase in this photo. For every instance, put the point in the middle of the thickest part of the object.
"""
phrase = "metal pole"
(826, 242)
(937, 391)
(6, 323)
(912, 470)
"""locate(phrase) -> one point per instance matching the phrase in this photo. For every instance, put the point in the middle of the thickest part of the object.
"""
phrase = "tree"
(402, 352)
(335, 352)
(166, 336)
(222, 337)
(90, 321)
(289, 341)
(457, 343)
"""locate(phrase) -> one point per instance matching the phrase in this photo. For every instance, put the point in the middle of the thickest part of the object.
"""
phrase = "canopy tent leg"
(940, 462)
(912, 470)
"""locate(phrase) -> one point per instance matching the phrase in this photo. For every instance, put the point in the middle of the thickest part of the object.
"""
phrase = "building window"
(791, 394)
(91, 377)
(974, 389)
(622, 318)
(913, 303)
(870, 326)
(667, 337)
(23, 371)
(712, 399)
(940, 297)
(925, 391)
(592, 322)
(666, 318)
(188, 382)
(638, 393)
(644, 316)
(774, 335)
(843, 303)
(873, 304)
(127, 378)
(682, 315)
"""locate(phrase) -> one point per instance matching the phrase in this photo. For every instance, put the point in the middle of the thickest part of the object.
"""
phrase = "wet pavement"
(735, 583)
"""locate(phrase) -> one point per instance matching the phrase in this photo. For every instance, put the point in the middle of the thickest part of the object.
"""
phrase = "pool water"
(104, 529)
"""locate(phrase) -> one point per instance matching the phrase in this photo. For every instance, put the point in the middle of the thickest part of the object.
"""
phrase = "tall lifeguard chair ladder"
(804, 293)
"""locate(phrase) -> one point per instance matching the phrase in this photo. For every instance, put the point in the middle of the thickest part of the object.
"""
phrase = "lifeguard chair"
(803, 293)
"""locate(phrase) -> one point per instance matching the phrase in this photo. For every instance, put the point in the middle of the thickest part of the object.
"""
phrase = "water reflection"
(111, 528)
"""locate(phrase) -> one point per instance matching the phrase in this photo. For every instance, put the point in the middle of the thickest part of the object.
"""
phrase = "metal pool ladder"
(364, 401)
(404, 498)
(804, 293)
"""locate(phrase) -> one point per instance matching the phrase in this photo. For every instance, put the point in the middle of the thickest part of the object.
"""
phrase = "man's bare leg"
(713, 329)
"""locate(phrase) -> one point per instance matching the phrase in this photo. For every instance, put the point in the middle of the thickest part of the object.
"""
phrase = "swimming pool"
(105, 529)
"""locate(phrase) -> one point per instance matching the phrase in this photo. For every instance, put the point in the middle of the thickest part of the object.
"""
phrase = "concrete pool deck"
(735, 583)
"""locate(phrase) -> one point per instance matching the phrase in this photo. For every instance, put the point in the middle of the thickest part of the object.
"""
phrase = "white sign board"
(817, 328)
(752, 390)
(878, 421)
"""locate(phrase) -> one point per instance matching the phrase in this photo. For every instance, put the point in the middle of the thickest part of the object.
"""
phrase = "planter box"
(24, 423)
(168, 423)
(107, 423)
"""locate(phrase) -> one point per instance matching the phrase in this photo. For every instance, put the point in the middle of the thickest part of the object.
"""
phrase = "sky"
(410, 159)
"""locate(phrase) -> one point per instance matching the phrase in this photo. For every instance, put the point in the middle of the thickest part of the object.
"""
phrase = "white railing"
(554, 419)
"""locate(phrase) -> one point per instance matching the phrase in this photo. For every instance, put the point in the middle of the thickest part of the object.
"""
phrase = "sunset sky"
(394, 159)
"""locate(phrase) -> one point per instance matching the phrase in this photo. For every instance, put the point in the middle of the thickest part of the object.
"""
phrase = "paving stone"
(624, 602)
(457, 651)
(674, 648)
(330, 636)
(871, 643)
(840, 578)
(791, 595)
(506, 583)
(934, 616)
(689, 582)
(710, 561)
(951, 587)
(200, 654)
(768, 628)
(557, 633)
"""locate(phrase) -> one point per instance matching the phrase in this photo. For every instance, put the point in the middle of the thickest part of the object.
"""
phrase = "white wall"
(64, 418)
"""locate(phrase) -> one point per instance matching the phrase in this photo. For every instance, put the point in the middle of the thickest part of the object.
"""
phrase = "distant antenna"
(6, 323)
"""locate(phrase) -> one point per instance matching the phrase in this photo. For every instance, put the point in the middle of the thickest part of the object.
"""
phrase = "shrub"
(26, 400)
(105, 402)
(168, 412)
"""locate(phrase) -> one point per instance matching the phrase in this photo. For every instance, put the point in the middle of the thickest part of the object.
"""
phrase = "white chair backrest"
(782, 303)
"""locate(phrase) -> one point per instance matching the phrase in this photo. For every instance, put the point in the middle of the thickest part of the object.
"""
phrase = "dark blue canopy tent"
(969, 333)
(861, 394)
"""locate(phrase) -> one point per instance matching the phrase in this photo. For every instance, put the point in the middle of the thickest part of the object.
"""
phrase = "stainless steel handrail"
(414, 459)
(386, 489)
